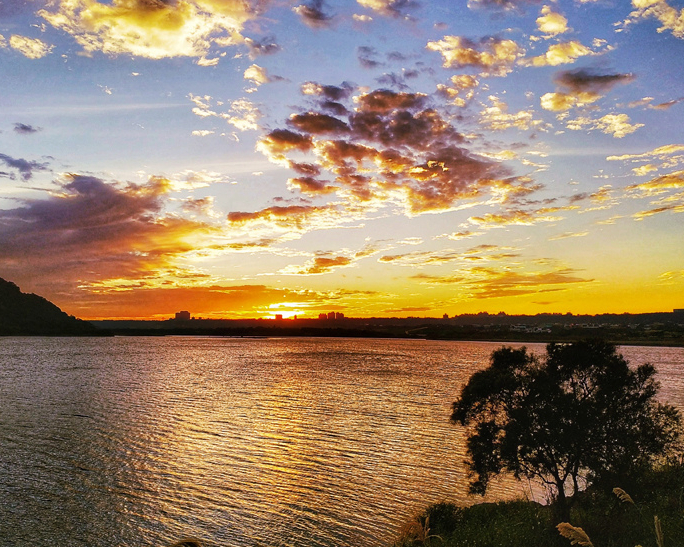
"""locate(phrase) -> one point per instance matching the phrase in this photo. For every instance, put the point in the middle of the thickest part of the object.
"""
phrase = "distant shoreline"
(618, 338)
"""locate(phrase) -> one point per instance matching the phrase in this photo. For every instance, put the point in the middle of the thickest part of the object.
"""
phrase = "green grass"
(607, 520)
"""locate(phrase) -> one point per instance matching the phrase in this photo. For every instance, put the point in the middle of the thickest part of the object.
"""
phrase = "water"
(239, 442)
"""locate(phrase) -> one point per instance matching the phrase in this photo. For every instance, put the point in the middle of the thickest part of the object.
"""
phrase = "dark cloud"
(389, 142)
(586, 80)
(98, 230)
(394, 80)
(311, 185)
(316, 123)
(265, 46)
(25, 129)
(366, 56)
(314, 14)
(329, 92)
(25, 167)
(384, 100)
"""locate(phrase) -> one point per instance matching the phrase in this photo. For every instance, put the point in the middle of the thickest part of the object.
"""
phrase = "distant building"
(322, 316)
(445, 316)
(183, 316)
(331, 315)
(279, 317)
(339, 315)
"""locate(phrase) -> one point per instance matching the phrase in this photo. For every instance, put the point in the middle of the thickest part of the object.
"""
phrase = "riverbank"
(608, 520)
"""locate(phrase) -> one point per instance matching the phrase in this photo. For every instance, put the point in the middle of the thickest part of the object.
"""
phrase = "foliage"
(578, 416)
(607, 519)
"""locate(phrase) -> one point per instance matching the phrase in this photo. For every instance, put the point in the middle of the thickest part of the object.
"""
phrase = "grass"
(647, 513)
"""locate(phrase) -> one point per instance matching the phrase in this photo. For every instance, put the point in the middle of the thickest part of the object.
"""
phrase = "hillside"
(29, 314)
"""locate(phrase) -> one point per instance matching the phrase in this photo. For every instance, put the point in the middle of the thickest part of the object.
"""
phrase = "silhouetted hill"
(30, 314)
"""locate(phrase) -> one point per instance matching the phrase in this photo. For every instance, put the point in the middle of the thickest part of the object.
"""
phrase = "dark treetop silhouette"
(580, 415)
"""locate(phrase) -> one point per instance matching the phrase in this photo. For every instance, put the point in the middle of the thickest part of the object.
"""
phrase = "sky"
(387, 158)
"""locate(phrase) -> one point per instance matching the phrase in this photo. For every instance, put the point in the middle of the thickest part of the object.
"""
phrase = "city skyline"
(376, 157)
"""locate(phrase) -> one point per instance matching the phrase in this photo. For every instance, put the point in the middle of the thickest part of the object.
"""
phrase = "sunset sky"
(374, 157)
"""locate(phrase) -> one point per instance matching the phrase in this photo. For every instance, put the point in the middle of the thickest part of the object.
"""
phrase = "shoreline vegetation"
(585, 424)
(609, 518)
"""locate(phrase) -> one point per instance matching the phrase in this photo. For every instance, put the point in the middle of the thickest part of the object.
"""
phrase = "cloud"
(461, 90)
(390, 8)
(498, 284)
(146, 298)
(314, 14)
(552, 23)
(559, 54)
(258, 75)
(155, 29)
(658, 185)
(26, 168)
(265, 46)
(517, 217)
(497, 118)
(661, 152)
(366, 56)
(617, 125)
(388, 146)
(581, 87)
(490, 56)
(24, 129)
(242, 114)
(666, 15)
(567, 235)
(319, 265)
(89, 230)
(33, 48)
(584, 80)
(285, 216)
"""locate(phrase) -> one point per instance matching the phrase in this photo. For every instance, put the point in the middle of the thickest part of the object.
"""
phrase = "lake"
(239, 442)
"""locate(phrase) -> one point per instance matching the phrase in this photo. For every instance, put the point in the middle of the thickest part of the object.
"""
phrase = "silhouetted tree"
(579, 415)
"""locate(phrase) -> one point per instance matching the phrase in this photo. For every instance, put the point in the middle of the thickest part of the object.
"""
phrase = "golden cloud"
(389, 8)
(661, 152)
(497, 118)
(462, 89)
(617, 125)
(560, 54)
(666, 15)
(552, 23)
(660, 184)
(318, 265)
(33, 48)
(518, 217)
(491, 56)
(152, 28)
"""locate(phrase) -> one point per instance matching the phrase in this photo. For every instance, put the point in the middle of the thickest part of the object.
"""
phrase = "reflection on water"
(316, 442)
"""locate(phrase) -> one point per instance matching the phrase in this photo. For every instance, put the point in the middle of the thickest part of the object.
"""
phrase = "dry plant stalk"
(660, 540)
(623, 496)
(576, 535)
